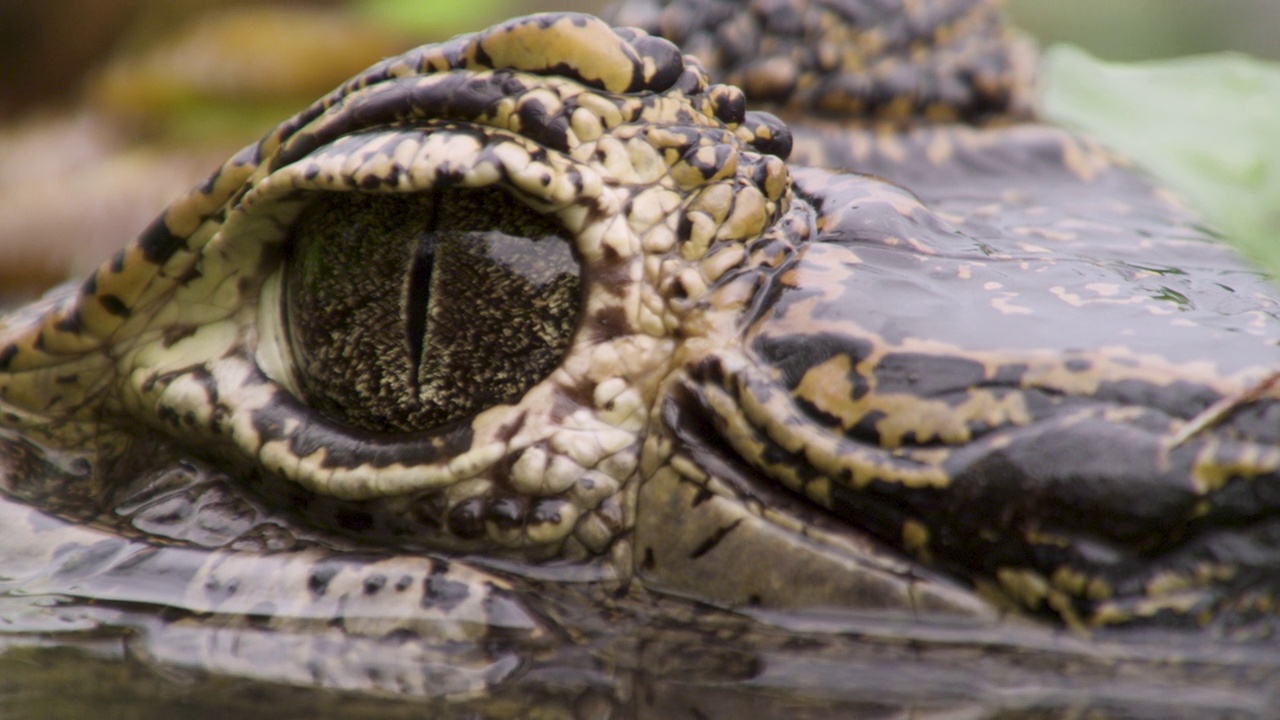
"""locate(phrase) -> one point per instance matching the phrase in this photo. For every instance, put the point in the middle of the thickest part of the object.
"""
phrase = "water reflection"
(70, 651)
(119, 673)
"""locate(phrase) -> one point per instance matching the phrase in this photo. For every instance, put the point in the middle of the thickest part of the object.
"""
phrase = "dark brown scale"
(466, 519)
(507, 513)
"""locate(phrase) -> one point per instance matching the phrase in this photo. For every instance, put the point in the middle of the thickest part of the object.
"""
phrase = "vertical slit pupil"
(407, 312)
(417, 306)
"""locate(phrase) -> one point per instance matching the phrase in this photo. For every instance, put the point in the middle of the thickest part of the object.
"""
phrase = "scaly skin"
(789, 388)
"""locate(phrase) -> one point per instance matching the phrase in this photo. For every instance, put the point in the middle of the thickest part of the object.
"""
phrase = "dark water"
(107, 673)
(93, 625)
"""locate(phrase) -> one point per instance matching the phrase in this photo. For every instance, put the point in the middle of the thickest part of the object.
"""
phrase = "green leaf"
(1207, 126)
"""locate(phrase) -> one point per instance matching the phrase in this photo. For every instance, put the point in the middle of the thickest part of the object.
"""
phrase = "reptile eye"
(405, 312)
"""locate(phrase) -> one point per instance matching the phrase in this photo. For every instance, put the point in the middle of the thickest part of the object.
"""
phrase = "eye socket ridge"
(405, 312)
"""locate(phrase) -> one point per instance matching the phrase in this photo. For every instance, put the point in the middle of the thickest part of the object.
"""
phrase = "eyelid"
(272, 353)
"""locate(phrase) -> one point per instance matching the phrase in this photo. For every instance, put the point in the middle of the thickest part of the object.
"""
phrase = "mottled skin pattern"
(790, 388)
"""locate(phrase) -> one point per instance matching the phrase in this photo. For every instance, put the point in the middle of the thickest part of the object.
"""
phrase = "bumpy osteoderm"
(655, 176)
(548, 292)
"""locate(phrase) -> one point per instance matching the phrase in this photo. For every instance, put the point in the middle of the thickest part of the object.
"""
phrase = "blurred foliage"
(238, 70)
(1209, 126)
(432, 19)
(1148, 29)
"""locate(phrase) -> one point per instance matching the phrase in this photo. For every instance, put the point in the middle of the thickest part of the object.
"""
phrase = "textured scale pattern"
(933, 61)
(624, 174)
(914, 356)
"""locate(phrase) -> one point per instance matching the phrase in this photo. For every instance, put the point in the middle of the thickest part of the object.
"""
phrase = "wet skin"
(972, 372)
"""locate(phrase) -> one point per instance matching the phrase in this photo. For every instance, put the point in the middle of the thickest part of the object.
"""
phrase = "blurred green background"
(1145, 29)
